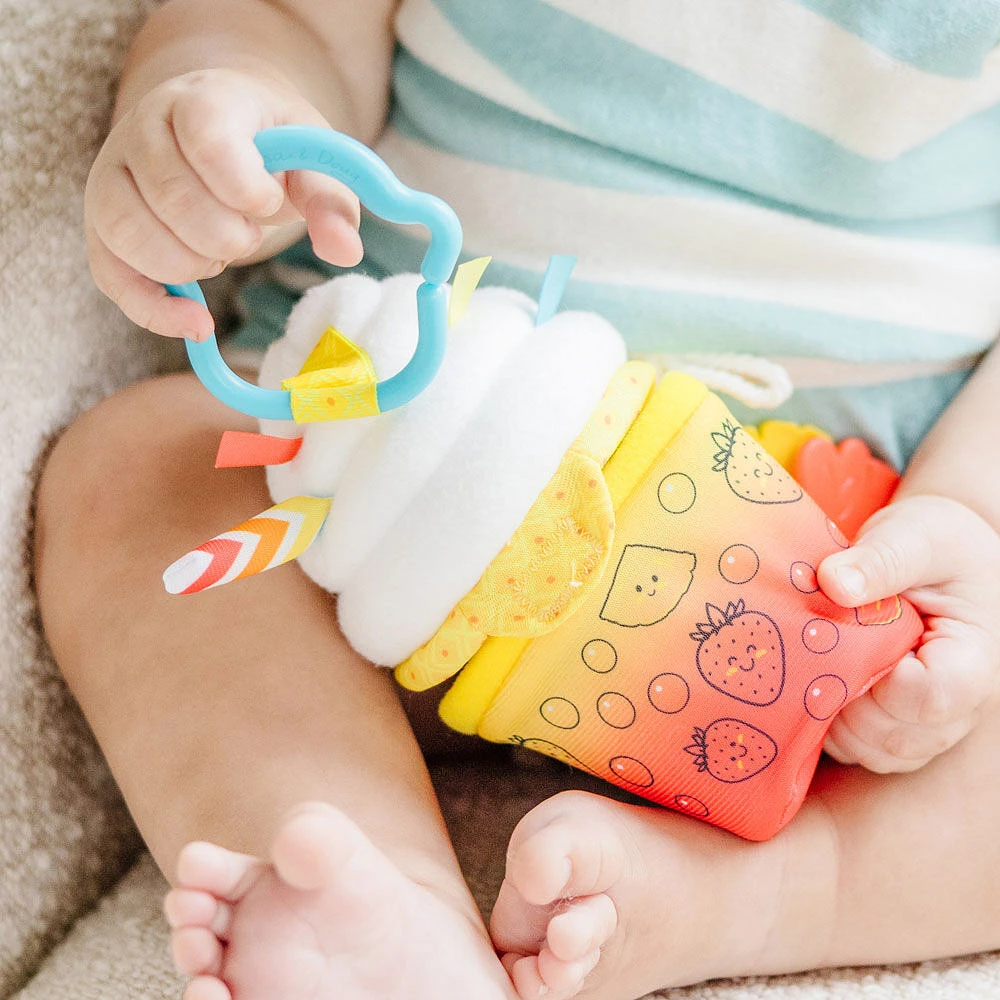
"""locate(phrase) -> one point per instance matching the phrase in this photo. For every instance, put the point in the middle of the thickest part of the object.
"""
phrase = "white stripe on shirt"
(723, 248)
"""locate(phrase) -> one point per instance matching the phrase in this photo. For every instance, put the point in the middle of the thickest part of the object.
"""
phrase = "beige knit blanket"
(79, 899)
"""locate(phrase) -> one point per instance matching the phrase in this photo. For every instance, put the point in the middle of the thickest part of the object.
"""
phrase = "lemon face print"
(648, 584)
(750, 471)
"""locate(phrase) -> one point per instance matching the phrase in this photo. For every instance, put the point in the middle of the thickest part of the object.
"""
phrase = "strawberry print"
(732, 750)
(740, 653)
(751, 472)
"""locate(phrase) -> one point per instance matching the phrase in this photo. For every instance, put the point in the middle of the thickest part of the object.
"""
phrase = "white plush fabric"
(426, 495)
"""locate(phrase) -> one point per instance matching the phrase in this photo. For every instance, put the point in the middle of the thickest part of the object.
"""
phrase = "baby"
(276, 777)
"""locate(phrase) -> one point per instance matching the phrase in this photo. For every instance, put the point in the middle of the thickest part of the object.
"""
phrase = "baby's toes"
(575, 933)
(546, 975)
(196, 951)
(220, 872)
(196, 908)
(206, 988)
(565, 848)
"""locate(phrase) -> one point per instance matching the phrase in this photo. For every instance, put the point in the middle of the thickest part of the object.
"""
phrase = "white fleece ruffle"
(425, 496)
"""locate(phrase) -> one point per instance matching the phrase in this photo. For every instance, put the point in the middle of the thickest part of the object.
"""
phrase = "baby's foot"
(611, 901)
(329, 917)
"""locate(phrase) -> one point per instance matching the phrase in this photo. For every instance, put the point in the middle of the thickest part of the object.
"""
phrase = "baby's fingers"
(126, 225)
(864, 734)
(332, 215)
(952, 675)
(214, 133)
(145, 302)
(928, 703)
(214, 128)
(178, 197)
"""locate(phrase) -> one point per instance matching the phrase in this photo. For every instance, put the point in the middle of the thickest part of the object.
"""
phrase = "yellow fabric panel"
(544, 570)
(531, 580)
(664, 413)
(477, 685)
(674, 400)
(540, 575)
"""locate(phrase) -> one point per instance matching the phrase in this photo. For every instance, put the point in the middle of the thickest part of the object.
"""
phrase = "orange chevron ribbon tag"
(275, 536)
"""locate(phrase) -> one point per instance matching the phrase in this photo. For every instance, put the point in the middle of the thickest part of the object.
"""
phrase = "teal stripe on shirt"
(440, 113)
(947, 37)
(892, 417)
(678, 118)
(649, 320)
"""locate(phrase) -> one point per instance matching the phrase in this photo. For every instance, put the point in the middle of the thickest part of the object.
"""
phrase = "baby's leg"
(873, 870)
(222, 713)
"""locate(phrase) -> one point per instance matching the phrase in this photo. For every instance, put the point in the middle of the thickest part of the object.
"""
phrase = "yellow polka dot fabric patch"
(451, 647)
(544, 571)
(622, 402)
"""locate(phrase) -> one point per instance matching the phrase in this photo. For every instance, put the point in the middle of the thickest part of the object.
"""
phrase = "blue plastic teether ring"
(300, 147)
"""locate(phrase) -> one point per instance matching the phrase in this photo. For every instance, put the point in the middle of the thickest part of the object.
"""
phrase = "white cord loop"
(757, 382)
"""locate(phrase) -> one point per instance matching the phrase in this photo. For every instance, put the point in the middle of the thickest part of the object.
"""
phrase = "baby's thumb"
(332, 213)
(892, 554)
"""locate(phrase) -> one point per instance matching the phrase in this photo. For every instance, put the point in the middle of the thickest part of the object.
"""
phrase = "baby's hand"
(946, 560)
(179, 191)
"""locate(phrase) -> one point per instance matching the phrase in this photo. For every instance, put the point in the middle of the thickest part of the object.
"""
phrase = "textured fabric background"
(64, 834)
(79, 901)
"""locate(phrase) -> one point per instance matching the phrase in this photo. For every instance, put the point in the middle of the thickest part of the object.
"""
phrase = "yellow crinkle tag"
(338, 380)
(467, 278)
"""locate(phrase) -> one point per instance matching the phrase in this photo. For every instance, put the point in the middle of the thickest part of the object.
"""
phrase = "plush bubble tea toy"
(605, 564)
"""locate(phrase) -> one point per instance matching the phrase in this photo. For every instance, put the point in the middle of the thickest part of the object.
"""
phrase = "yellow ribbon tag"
(467, 277)
(338, 380)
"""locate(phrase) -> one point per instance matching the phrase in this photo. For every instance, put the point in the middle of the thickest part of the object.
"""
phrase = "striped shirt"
(813, 181)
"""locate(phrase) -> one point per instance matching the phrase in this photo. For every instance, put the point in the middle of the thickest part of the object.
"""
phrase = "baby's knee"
(118, 462)
(84, 470)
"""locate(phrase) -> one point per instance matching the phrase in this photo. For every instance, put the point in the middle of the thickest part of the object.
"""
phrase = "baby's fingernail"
(851, 580)
(352, 240)
(273, 202)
